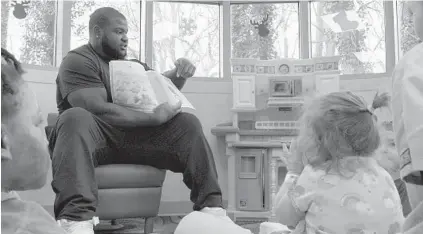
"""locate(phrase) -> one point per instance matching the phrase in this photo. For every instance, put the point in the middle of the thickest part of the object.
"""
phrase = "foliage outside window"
(187, 30)
(81, 11)
(354, 30)
(281, 19)
(407, 36)
(194, 32)
(32, 39)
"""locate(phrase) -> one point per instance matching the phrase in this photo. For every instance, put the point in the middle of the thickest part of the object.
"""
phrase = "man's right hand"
(165, 112)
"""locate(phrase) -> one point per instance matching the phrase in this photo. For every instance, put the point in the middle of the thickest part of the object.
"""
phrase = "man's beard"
(109, 51)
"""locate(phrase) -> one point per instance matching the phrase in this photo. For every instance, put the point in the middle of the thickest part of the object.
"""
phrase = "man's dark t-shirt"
(83, 68)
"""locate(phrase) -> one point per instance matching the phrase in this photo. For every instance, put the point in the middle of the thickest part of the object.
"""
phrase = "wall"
(212, 99)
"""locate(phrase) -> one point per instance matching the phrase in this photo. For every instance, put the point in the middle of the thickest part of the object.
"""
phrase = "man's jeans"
(81, 141)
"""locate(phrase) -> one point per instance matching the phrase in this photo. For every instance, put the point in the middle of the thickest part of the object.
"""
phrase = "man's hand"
(165, 112)
(184, 68)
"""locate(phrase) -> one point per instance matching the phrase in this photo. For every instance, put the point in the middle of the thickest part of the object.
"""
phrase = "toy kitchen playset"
(267, 101)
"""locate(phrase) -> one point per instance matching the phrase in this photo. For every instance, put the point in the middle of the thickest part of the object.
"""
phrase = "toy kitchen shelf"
(267, 99)
(289, 102)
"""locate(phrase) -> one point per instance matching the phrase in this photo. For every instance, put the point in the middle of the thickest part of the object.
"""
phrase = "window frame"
(63, 34)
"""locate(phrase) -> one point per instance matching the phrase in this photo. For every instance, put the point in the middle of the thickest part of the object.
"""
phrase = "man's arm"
(95, 101)
(80, 83)
(178, 81)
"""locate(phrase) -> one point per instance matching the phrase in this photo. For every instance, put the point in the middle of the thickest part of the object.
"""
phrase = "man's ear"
(97, 31)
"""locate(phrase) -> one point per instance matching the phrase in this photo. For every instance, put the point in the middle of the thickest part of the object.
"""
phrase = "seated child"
(24, 156)
(341, 188)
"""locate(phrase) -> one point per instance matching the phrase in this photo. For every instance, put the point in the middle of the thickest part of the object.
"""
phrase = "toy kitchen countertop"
(251, 137)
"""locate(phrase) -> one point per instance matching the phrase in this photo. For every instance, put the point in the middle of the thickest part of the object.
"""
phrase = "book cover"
(140, 90)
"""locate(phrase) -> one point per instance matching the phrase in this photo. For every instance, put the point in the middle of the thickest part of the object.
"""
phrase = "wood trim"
(304, 31)
(390, 47)
(225, 32)
(149, 17)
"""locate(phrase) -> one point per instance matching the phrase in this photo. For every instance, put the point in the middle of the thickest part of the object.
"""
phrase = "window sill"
(38, 67)
(365, 76)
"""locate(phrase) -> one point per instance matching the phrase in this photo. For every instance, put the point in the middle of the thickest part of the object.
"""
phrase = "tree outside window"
(251, 20)
(187, 30)
(407, 36)
(32, 38)
(354, 30)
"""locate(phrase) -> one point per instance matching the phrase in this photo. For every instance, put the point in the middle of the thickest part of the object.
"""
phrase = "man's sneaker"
(78, 227)
(217, 211)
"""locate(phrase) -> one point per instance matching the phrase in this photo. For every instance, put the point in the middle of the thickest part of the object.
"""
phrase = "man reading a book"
(91, 130)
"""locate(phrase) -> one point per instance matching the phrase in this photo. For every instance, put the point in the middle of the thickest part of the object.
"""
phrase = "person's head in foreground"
(24, 155)
(416, 9)
(337, 125)
(108, 30)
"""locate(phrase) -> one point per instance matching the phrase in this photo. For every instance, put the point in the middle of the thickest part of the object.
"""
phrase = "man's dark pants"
(82, 141)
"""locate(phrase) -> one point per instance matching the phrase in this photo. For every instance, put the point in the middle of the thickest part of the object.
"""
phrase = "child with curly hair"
(24, 156)
(334, 184)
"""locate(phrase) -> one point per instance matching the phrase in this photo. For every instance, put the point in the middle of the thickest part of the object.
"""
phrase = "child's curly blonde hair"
(337, 125)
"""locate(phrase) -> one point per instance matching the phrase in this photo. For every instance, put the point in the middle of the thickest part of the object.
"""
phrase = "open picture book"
(140, 90)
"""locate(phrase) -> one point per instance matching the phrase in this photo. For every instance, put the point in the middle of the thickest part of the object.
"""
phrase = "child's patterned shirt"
(354, 195)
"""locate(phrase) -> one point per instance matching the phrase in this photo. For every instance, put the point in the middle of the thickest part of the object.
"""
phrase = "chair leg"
(108, 227)
(149, 225)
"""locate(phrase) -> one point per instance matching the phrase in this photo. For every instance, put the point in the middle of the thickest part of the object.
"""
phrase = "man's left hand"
(184, 68)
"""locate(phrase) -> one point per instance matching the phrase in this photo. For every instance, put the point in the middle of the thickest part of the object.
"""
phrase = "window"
(354, 30)
(407, 36)
(28, 32)
(265, 31)
(81, 11)
(187, 30)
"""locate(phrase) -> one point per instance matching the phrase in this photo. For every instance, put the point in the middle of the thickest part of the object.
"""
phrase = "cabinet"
(252, 193)
(327, 83)
(244, 92)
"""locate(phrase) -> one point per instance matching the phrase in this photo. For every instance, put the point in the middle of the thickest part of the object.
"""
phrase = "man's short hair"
(101, 17)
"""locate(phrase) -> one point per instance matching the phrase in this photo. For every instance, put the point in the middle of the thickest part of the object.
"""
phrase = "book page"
(130, 86)
(166, 91)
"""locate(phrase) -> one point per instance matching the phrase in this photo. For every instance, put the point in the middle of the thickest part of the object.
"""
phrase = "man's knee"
(74, 120)
(189, 122)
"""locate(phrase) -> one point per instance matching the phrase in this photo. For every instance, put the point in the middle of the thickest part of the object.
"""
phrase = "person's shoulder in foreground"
(411, 62)
(24, 156)
(25, 217)
(407, 111)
